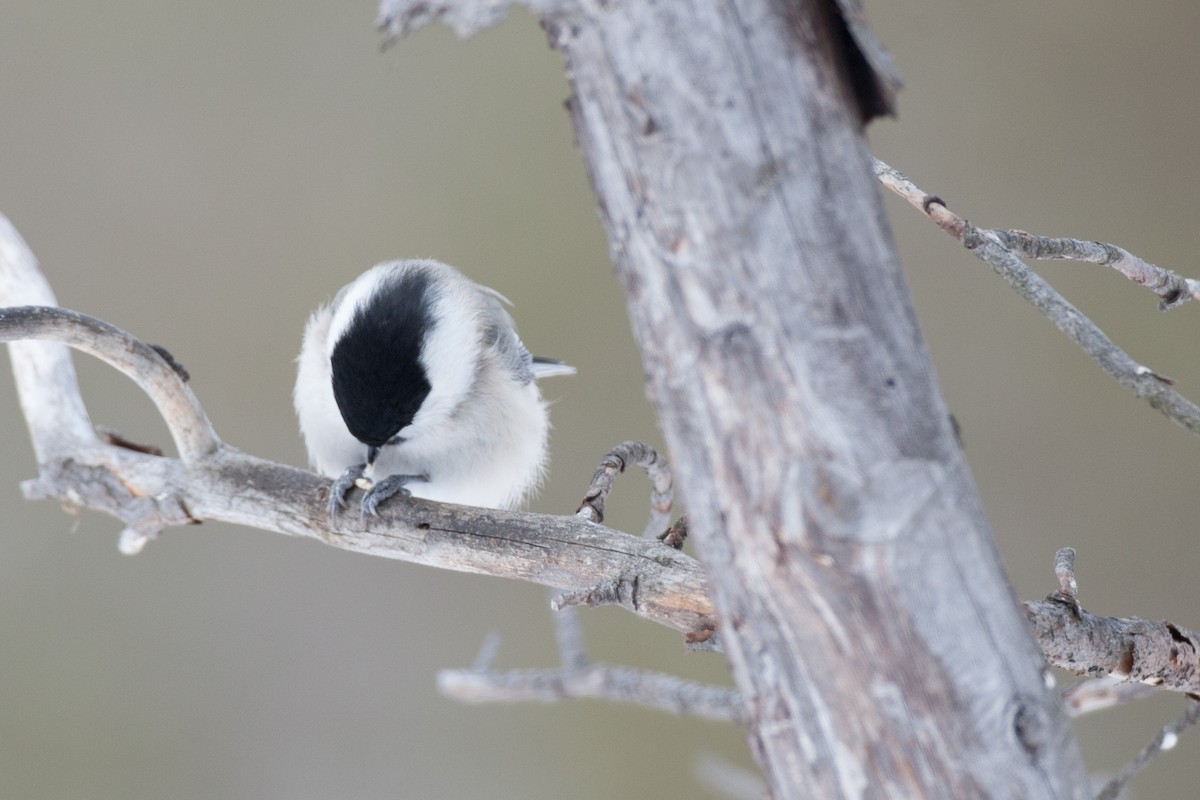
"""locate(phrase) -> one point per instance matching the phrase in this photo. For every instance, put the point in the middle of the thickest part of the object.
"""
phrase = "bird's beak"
(372, 453)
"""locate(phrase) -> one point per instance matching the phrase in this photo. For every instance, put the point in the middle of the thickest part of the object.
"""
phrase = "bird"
(413, 382)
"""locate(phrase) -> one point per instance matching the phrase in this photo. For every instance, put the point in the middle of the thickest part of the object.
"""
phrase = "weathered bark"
(865, 613)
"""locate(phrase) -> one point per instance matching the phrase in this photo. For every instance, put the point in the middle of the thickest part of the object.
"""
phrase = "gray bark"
(867, 619)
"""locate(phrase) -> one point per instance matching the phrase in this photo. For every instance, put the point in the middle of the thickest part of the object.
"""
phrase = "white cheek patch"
(451, 349)
(351, 299)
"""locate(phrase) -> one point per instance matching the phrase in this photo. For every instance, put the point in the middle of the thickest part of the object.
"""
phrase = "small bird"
(413, 381)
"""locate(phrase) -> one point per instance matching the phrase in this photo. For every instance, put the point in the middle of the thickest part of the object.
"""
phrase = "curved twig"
(996, 248)
(614, 462)
(189, 425)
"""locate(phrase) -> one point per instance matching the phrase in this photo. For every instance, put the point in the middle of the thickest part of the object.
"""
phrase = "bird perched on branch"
(413, 381)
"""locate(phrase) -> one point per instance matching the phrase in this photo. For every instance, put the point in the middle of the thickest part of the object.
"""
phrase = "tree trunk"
(862, 604)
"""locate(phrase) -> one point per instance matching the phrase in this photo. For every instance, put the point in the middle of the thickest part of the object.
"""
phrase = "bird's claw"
(383, 491)
(341, 487)
(375, 494)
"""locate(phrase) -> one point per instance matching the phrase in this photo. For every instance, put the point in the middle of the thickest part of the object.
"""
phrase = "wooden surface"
(866, 616)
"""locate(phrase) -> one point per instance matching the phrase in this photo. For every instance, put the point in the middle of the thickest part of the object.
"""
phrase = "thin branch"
(616, 684)
(577, 676)
(1064, 570)
(186, 420)
(1129, 649)
(1172, 290)
(215, 482)
(615, 462)
(1165, 740)
(568, 633)
(996, 249)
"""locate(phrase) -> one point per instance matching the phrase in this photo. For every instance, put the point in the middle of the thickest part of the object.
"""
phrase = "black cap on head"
(378, 380)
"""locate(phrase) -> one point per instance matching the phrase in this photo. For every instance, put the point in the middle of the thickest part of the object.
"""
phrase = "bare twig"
(1129, 649)
(189, 426)
(1163, 741)
(616, 684)
(1172, 290)
(577, 676)
(1064, 570)
(568, 633)
(614, 463)
(996, 249)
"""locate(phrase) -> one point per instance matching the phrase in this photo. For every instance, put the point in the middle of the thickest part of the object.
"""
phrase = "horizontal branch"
(151, 493)
(1132, 649)
(1129, 649)
(996, 248)
(578, 677)
(600, 681)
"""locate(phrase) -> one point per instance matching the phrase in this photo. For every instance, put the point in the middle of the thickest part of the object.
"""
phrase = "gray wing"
(500, 333)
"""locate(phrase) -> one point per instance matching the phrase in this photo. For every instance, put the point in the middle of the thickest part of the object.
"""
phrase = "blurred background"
(204, 174)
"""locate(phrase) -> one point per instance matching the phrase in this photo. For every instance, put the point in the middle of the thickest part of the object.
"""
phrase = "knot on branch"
(621, 591)
(82, 485)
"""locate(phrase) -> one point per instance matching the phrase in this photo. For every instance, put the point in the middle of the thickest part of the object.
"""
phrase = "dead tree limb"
(825, 488)
(1002, 251)
(1130, 649)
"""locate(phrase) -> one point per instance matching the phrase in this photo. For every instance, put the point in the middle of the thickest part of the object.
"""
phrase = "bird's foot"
(342, 486)
(386, 489)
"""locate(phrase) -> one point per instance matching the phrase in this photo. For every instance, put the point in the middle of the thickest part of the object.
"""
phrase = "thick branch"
(825, 488)
(1131, 649)
(228, 486)
(996, 249)
(45, 376)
